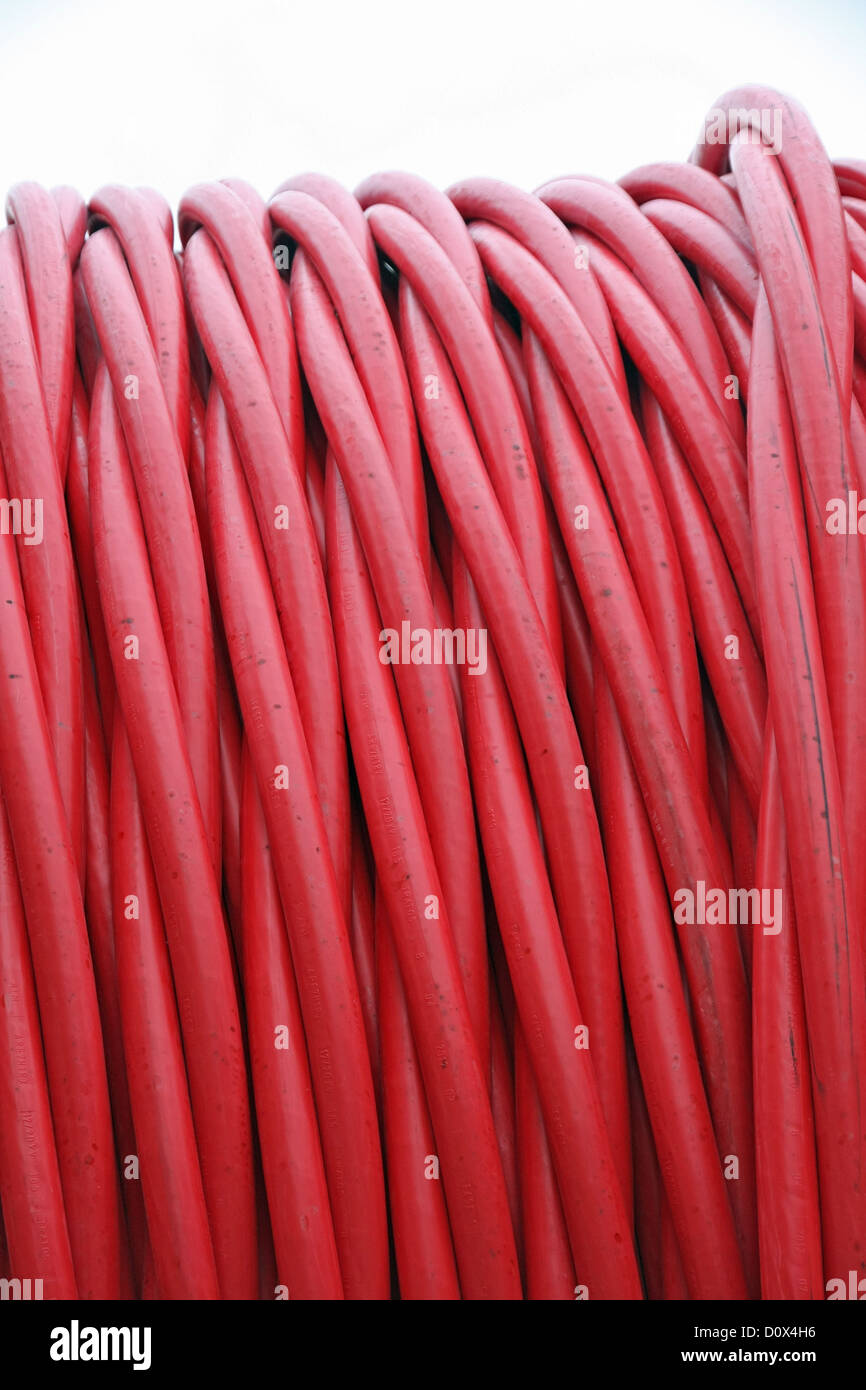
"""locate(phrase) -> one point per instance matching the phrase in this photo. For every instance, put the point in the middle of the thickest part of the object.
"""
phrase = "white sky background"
(170, 92)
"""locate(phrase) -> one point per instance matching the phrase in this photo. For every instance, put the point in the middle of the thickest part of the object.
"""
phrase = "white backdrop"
(168, 92)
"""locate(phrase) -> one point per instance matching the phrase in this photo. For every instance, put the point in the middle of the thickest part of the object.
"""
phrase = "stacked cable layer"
(433, 734)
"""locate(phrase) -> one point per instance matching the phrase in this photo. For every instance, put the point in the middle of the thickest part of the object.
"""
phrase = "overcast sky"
(168, 92)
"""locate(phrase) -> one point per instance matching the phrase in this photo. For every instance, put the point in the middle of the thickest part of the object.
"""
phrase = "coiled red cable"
(432, 733)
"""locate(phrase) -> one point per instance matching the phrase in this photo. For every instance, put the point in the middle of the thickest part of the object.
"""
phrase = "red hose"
(432, 823)
(180, 849)
(311, 900)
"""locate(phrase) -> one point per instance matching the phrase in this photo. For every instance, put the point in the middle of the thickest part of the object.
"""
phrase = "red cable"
(171, 1179)
(569, 821)
(612, 437)
(404, 597)
(35, 473)
(789, 1222)
(830, 950)
(180, 849)
(60, 949)
(423, 1248)
(162, 488)
(457, 1092)
(30, 1190)
(273, 472)
(311, 900)
(300, 1213)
